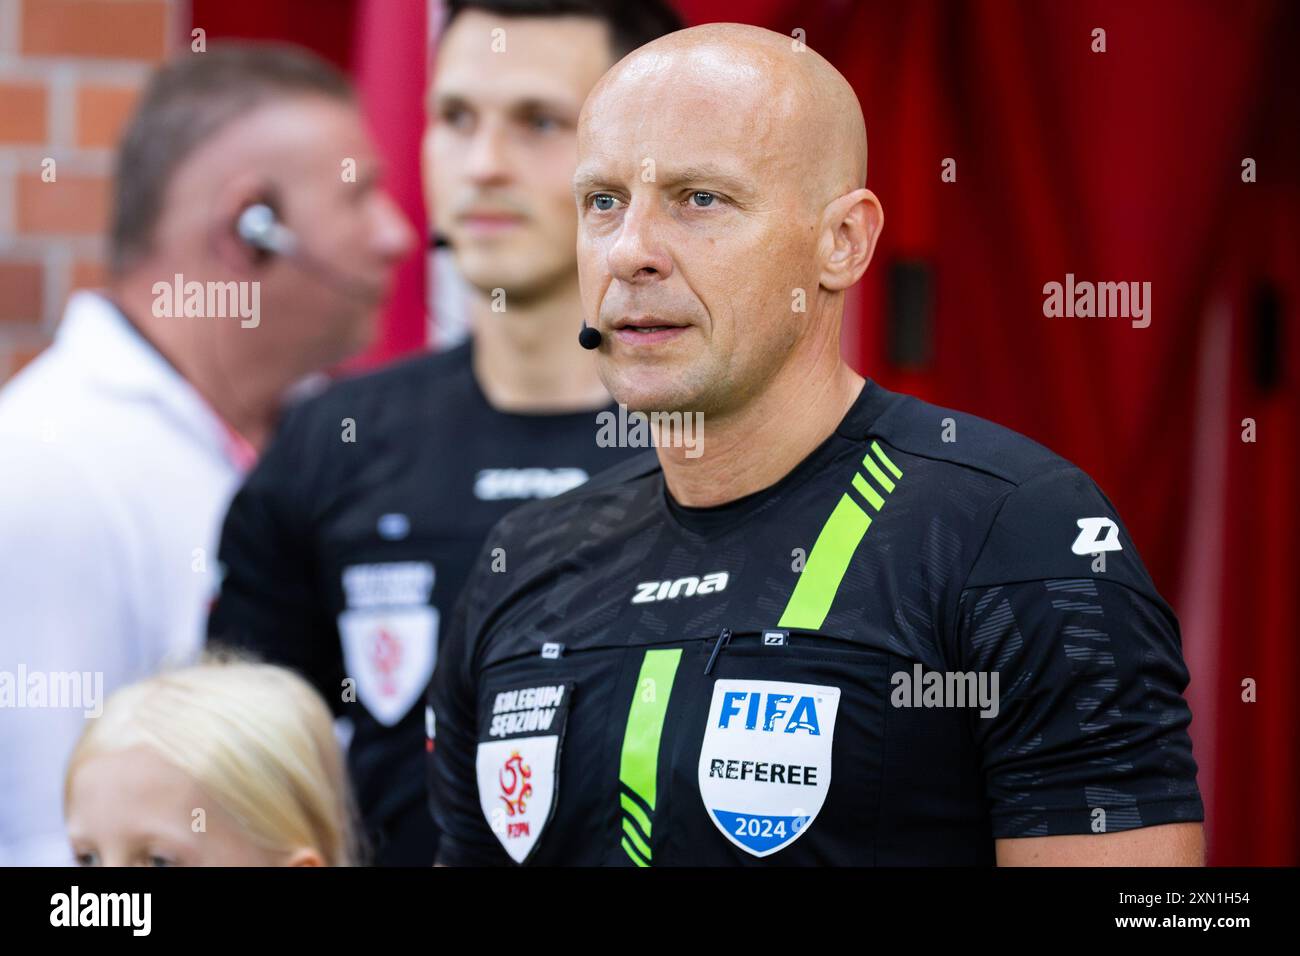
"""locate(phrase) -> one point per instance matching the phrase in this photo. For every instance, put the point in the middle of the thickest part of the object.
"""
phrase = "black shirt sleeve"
(466, 839)
(268, 603)
(1091, 730)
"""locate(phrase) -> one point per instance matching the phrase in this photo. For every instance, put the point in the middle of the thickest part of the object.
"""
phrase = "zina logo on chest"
(648, 591)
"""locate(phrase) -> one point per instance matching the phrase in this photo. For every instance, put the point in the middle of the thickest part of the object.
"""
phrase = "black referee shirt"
(931, 634)
(345, 551)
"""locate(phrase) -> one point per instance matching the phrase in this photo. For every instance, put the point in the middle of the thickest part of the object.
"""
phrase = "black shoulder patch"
(944, 434)
(1059, 525)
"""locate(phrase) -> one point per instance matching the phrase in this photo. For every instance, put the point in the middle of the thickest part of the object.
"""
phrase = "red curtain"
(1117, 166)
(323, 26)
(391, 56)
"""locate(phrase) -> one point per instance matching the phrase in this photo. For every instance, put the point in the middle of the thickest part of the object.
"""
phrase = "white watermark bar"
(1100, 300)
(75, 908)
(653, 429)
(957, 689)
(208, 300)
(53, 690)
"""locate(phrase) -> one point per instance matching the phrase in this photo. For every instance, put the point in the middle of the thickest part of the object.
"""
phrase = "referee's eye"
(603, 202)
(702, 199)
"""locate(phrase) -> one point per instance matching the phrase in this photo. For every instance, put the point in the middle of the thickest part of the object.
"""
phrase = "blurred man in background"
(250, 246)
(355, 534)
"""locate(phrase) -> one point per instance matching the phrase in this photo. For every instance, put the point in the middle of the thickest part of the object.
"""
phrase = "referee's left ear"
(850, 227)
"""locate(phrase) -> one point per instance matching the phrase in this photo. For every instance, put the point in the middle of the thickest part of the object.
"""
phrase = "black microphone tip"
(589, 338)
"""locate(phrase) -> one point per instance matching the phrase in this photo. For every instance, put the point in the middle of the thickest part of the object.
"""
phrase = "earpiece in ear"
(260, 227)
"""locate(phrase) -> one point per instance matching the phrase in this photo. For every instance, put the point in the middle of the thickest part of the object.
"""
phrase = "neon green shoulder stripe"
(839, 538)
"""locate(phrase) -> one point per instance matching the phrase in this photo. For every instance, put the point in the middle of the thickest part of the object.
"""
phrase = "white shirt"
(114, 478)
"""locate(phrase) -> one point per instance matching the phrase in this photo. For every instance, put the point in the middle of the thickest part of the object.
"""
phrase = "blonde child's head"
(226, 763)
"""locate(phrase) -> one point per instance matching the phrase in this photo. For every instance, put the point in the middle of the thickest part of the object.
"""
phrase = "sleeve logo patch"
(765, 765)
(1091, 540)
(390, 654)
(520, 735)
(389, 634)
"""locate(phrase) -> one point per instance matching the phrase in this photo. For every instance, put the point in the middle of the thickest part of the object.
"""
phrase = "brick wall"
(70, 71)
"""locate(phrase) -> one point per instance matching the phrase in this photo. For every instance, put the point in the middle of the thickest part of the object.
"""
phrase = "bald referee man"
(832, 638)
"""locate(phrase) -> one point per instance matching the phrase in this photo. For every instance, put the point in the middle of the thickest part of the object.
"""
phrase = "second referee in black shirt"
(348, 546)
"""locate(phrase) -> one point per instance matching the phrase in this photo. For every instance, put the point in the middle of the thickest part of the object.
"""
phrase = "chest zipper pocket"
(781, 643)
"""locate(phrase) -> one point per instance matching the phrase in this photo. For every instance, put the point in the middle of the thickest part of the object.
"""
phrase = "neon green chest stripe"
(639, 763)
(836, 543)
(829, 559)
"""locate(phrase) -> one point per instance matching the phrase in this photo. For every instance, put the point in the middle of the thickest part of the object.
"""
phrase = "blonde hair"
(257, 738)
